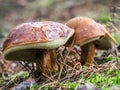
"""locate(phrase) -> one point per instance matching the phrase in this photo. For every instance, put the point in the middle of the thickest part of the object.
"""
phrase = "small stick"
(47, 84)
(25, 66)
(61, 69)
(48, 77)
(33, 67)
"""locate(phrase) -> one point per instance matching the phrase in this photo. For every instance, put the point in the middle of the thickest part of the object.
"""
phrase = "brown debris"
(9, 66)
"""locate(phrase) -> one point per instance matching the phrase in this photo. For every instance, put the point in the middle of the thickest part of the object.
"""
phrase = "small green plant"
(17, 78)
(109, 58)
(34, 87)
(72, 85)
(69, 85)
(23, 74)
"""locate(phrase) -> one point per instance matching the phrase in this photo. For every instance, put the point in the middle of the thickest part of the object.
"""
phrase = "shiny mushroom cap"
(24, 40)
(87, 30)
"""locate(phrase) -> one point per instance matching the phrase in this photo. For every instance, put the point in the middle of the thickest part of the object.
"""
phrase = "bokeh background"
(15, 12)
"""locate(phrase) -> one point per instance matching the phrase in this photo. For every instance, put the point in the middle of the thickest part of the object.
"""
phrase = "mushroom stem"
(46, 61)
(87, 55)
(49, 61)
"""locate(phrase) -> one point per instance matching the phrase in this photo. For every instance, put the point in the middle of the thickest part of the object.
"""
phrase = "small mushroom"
(36, 42)
(89, 35)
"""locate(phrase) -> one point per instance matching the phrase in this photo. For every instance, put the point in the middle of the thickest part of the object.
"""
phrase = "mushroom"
(89, 35)
(36, 42)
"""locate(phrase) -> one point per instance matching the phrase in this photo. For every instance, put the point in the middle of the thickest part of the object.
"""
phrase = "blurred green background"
(15, 12)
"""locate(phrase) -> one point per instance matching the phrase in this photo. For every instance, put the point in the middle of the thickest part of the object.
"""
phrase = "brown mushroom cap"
(87, 30)
(25, 39)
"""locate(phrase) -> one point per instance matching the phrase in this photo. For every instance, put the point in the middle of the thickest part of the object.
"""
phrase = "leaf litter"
(70, 70)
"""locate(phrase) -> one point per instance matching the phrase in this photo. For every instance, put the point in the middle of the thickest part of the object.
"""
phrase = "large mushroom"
(36, 42)
(89, 35)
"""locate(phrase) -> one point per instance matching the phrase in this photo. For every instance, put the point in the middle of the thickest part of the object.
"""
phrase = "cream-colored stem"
(88, 52)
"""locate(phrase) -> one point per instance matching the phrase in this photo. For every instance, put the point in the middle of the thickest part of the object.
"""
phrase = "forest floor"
(104, 74)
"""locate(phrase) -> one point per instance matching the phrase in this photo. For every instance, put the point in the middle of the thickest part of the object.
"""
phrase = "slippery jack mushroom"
(36, 42)
(89, 35)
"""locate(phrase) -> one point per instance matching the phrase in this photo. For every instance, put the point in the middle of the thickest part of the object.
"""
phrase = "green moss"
(104, 80)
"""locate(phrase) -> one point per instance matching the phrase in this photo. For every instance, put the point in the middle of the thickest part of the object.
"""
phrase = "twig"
(47, 84)
(48, 77)
(33, 67)
(25, 66)
(61, 69)
(11, 83)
